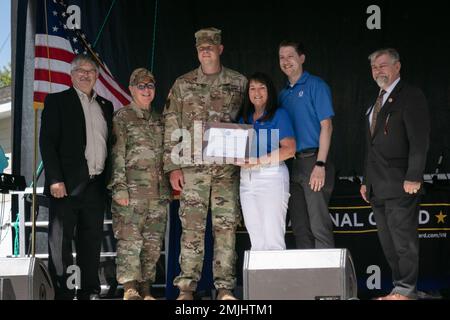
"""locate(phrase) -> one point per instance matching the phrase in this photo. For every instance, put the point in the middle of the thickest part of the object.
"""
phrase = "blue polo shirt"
(269, 133)
(307, 102)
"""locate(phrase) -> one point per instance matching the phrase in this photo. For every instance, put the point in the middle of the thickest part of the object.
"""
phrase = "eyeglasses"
(142, 86)
(82, 71)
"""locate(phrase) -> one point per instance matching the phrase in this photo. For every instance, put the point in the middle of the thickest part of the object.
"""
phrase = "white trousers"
(264, 196)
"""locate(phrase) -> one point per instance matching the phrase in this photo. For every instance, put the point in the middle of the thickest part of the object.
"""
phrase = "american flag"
(56, 46)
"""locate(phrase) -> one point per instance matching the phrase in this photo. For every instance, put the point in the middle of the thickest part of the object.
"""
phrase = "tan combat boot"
(130, 291)
(185, 295)
(225, 294)
(144, 291)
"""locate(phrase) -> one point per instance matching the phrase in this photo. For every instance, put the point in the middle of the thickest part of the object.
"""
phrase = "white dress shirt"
(96, 133)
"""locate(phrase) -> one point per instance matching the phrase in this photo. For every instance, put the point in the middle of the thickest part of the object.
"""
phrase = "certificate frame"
(224, 159)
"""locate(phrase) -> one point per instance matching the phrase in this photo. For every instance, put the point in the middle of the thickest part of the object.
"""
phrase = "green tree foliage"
(5, 76)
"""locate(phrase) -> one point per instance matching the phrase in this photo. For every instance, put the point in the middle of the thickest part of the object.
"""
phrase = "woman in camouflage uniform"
(139, 189)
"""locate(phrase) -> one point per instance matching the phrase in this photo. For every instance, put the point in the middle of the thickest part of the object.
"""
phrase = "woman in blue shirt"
(264, 184)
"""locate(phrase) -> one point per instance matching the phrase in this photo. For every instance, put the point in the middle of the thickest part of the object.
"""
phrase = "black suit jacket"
(398, 149)
(62, 141)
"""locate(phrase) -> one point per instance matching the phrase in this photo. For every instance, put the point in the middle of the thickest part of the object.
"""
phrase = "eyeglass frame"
(82, 71)
(143, 86)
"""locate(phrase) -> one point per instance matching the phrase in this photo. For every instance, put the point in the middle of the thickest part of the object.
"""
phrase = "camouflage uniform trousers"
(139, 229)
(217, 185)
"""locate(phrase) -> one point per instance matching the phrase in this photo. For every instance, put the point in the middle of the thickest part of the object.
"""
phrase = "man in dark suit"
(397, 131)
(75, 142)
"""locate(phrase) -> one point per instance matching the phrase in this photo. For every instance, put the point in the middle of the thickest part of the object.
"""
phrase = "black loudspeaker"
(29, 278)
(11, 182)
(319, 274)
(6, 290)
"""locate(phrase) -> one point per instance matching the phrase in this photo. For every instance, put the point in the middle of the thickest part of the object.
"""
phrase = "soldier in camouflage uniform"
(211, 93)
(139, 187)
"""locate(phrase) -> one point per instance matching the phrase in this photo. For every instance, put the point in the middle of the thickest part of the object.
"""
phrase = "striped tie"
(376, 110)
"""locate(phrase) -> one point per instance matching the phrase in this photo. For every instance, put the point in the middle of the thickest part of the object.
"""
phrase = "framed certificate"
(226, 143)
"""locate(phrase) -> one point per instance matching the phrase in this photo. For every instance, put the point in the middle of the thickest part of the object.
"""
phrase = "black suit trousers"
(78, 218)
(397, 221)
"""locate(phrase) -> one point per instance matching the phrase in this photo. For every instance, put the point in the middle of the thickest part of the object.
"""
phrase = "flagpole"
(33, 228)
(90, 49)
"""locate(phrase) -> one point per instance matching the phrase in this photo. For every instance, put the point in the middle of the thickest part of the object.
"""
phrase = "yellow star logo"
(440, 217)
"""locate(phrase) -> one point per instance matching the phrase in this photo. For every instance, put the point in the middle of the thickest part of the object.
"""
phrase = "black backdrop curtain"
(337, 41)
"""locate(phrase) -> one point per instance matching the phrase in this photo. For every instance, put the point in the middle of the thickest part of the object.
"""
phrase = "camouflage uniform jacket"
(137, 155)
(195, 98)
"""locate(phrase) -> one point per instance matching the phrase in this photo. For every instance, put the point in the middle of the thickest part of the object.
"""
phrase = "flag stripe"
(114, 84)
(54, 65)
(113, 90)
(55, 53)
(49, 87)
(39, 97)
(53, 76)
(53, 42)
(103, 91)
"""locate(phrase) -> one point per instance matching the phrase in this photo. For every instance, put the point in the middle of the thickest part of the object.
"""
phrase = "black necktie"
(376, 110)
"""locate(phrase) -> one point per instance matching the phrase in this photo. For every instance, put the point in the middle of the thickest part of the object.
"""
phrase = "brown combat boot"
(225, 294)
(130, 291)
(185, 295)
(144, 291)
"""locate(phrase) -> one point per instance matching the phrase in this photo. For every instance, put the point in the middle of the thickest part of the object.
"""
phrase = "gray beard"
(381, 81)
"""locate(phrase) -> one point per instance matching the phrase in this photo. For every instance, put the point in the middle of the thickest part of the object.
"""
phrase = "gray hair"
(395, 57)
(79, 59)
